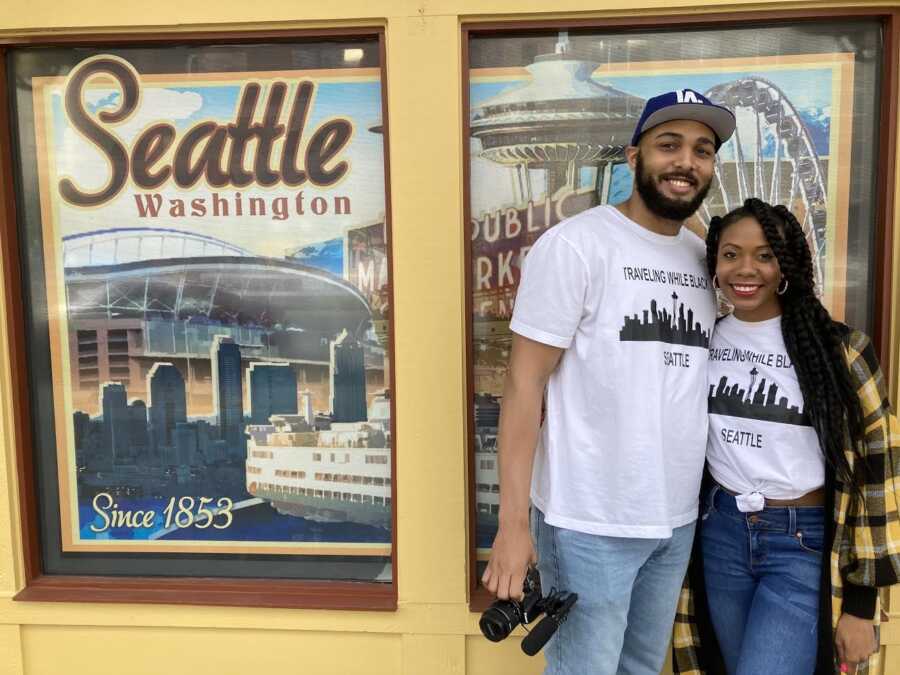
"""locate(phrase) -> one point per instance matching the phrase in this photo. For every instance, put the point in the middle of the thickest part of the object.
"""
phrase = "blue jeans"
(763, 573)
(627, 593)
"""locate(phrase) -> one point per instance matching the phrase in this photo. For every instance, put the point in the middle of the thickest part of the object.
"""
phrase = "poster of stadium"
(547, 141)
(221, 375)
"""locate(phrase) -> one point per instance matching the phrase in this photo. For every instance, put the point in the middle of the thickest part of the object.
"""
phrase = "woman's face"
(748, 271)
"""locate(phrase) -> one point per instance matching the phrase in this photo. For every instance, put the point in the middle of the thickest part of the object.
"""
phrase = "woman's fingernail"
(845, 668)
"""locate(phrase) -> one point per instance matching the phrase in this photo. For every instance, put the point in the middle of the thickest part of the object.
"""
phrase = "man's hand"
(513, 552)
(854, 640)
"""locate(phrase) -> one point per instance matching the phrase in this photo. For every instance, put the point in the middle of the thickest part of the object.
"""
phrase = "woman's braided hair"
(813, 340)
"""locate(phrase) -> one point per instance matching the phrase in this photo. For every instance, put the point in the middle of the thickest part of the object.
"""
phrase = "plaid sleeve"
(685, 636)
(873, 557)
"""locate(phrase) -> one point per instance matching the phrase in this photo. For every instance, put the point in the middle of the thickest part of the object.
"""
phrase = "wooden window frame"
(885, 166)
(262, 592)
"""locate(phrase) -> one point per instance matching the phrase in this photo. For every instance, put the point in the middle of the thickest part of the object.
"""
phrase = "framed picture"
(548, 115)
(205, 243)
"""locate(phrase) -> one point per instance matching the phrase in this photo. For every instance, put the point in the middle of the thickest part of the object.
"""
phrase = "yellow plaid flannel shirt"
(866, 547)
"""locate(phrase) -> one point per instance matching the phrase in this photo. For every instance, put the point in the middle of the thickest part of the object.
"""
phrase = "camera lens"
(498, 621)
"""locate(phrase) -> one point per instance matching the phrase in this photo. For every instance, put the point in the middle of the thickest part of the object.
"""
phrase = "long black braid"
(813, 340)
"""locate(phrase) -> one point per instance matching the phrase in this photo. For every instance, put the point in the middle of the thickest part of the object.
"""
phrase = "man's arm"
(530, 366)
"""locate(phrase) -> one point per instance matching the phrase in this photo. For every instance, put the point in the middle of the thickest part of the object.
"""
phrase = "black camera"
(499, 620)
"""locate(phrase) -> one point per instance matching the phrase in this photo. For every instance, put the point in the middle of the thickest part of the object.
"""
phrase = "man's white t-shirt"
(622, 446)
(760, 439)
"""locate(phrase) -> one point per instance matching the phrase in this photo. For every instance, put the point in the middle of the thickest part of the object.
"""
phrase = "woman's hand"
(854, 640)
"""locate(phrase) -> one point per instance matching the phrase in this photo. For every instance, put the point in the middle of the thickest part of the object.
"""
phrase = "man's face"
(673, 167)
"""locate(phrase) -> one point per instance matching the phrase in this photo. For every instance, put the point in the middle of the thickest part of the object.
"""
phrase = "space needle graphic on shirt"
(661, 326)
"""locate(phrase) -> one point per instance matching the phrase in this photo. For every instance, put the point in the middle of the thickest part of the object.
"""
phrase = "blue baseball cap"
(686, 104)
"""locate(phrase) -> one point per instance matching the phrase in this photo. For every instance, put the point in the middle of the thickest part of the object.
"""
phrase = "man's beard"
(658, 203)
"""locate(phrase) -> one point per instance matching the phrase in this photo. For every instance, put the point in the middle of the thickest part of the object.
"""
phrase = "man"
(612, 320)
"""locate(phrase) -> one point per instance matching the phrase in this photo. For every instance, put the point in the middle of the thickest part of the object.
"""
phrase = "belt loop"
(712, 494)
(792, 520)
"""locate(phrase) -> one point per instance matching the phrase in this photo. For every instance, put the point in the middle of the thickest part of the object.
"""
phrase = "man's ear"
(631, 153)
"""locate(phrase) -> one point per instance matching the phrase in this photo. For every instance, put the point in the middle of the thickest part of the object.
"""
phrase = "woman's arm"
(872, 559)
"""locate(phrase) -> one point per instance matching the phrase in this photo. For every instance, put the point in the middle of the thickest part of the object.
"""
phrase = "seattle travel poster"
(547, 141)
(216, 262)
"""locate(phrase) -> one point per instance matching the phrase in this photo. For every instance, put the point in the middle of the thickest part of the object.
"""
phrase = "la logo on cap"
(686, 96)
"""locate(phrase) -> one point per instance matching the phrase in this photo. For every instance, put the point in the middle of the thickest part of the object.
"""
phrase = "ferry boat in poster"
(340, 474)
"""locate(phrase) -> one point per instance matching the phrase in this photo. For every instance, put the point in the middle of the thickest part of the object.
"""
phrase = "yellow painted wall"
(432, 632)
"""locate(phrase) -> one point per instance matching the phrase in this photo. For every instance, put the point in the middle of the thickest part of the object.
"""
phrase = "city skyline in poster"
(203, 358)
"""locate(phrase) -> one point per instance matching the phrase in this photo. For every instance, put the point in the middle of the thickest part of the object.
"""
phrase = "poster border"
(61, 359)
(479, 597)
(262, 592)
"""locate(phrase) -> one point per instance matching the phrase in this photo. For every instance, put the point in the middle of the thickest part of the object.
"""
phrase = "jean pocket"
(811, 540)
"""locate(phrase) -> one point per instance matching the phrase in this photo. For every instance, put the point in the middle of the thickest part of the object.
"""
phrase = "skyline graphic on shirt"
(763, 403)
(661, 326)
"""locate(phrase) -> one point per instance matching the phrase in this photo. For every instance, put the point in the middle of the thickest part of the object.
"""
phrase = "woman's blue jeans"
(763, 573)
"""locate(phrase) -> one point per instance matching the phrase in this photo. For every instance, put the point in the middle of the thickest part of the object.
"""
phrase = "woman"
(799, 511)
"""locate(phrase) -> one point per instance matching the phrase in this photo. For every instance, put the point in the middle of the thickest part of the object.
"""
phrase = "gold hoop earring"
(715, 282)
(782, 291)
